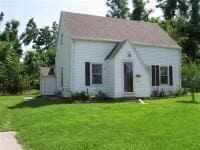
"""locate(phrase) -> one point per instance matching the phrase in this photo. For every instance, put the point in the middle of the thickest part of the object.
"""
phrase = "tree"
(46, 37)
(139, 11)
(195, 12)
(42, 54)
(171, 8)
(183, 7)
(191, 78)
(118, 8)
(1, 16)
(192, 30)
(40, 39)
(33, 60)
(30, 34)
(9, 69)
(10, 34)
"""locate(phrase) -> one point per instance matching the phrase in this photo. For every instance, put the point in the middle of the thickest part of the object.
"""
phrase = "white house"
(119, 57)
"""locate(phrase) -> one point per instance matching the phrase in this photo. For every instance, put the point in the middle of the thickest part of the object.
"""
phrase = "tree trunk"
(193, 96)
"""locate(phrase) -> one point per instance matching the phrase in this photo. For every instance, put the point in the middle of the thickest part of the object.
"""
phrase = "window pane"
(96, 79)
(164, 79)
(97, 69)
(163, 71)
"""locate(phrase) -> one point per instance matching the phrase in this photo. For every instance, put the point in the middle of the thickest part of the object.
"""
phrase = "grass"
(168, 124)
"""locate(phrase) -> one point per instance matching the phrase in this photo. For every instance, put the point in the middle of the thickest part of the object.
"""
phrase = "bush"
(155, 93)
(58, 93)
(80, 96)
(180, 92)
(162, 93)
(100, 96)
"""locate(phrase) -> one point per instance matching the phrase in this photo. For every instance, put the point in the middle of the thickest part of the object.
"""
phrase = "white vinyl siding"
(95, 53)
(109, 78)
(63, 58)
(141, 85)
(48, 85)
(162, 57)
(112, 71)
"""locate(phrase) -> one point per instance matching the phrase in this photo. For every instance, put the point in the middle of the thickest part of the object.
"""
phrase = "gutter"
(133, 42)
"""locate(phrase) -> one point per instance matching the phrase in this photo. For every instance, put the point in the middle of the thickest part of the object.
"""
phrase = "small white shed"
(47, 81)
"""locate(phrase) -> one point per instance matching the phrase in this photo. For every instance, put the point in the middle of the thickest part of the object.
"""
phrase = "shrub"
(100, 96)
(155, 93)
(58, 93)
(180, 92)
(80, 96)
(162, 93)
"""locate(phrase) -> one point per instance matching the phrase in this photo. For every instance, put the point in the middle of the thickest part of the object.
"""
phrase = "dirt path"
(8, 141)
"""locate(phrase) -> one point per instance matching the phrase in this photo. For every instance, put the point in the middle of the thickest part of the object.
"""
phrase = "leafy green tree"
(191, 78)
(118, 8)
(10, 34)
(195, 12)
(30, 34)
(139, 11)
(183, 7)
(169, 8)
(192, 30)
(43, 43)
(1, 16)
(9, 69)
(33, 60)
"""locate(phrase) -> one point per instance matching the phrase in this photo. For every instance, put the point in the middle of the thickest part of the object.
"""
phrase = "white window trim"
(167, 75)
(96, 63)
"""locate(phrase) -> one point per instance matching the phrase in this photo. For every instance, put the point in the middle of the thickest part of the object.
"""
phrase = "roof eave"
(133, 42)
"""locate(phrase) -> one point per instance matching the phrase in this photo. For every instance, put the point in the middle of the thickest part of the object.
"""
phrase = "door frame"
(122, 71)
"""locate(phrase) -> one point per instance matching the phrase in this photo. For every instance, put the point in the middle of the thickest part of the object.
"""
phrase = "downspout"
(180, 66)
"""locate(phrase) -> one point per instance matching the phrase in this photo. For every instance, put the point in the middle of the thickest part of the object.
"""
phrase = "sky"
(45, 12)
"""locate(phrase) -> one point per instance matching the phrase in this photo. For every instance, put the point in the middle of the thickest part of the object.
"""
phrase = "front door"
(128, 77)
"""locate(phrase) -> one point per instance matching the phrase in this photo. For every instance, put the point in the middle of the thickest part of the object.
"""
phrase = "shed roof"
(46, 71)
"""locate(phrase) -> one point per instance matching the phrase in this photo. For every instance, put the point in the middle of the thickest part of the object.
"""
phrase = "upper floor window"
(61, 39)
(96, 73)
(164, 75)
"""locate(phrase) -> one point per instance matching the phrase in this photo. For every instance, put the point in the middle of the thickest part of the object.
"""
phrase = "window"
(164, 75)
(61, 78)
(155, 75)
(96, 73)
(61, 39)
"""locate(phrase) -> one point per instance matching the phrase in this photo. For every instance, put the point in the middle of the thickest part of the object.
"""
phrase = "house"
(119, 57)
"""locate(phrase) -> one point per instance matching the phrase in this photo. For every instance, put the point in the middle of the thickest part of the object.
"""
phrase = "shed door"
(128, 77)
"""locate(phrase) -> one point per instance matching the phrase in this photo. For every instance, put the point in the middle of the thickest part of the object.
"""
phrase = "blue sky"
(46, 11)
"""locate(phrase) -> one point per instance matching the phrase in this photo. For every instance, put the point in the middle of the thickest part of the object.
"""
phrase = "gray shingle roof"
(90, 27)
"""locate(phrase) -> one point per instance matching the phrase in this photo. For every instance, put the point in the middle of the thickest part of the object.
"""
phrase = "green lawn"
(171, 124)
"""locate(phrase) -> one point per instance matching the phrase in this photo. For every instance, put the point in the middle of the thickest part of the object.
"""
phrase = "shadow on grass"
(188, 102)
(39, 102)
